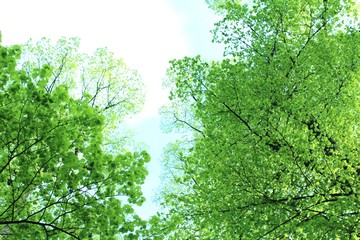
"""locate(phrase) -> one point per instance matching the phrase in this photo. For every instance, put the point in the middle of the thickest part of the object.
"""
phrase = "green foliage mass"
(274, 151)
(56, 181)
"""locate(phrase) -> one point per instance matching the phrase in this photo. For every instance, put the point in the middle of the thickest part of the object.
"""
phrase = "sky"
(145, 33)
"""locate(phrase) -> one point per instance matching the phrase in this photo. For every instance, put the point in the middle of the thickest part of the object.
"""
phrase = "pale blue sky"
(145, 33)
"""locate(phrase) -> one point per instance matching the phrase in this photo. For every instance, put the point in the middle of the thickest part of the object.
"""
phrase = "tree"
(56, 180)
(275, 127)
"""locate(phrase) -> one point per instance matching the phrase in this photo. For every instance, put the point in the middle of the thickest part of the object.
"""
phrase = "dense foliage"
(271, 133)
(56, 180)
(274, 150)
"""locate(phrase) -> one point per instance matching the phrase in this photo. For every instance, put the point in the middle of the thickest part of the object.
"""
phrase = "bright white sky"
(146, 34)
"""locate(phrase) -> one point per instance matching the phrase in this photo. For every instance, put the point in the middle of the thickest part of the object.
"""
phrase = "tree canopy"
(271, 133)
(274, 150)
(56, 179)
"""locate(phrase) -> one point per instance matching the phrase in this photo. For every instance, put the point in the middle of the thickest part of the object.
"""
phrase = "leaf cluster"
(56, 179)
(275, 141)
